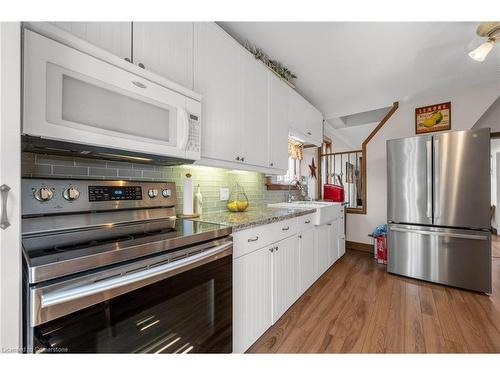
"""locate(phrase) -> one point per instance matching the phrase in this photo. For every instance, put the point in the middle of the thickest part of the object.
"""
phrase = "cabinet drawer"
(248, 240)
(305, 222)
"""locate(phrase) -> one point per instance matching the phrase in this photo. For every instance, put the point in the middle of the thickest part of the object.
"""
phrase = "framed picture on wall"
(433, 118)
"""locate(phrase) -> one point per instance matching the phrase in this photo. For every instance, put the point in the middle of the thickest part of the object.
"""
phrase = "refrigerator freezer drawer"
(460, 258)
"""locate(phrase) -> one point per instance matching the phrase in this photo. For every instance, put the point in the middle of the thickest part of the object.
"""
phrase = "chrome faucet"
(301, 196)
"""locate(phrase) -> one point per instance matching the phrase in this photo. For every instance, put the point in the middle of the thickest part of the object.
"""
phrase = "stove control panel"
(52, 196)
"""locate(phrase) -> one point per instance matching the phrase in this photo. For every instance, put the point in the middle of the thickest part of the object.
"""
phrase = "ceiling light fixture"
(490, 30)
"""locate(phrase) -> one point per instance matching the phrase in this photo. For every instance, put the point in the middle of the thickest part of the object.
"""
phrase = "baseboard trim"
(359, 246)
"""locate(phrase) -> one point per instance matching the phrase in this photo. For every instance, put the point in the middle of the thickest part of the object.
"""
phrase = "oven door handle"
(49, 305)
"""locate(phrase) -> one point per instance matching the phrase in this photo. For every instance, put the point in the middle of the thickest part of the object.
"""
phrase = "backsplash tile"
(210, 179)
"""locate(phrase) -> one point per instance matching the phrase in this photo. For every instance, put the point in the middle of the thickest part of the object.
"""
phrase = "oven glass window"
(187, 313)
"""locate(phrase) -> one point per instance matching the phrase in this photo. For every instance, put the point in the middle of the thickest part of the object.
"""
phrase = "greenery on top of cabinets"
(275, 66)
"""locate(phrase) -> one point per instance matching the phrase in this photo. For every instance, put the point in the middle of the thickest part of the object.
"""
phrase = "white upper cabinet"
(165, 48)
(305, 120)
(114, 37)
(254, 115)
(217, 78)
(279, 95)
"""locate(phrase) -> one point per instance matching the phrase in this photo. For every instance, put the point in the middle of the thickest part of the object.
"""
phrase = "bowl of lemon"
(238, 201)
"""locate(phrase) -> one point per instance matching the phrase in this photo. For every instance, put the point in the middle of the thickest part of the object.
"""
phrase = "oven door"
(73, 97)
(184, 306)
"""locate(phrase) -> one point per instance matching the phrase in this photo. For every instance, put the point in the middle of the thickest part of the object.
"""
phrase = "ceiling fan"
(490, 30)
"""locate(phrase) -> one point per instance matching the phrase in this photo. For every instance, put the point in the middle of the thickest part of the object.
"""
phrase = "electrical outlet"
(224, 194)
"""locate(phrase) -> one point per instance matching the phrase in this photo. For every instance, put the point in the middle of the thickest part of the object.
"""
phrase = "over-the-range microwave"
(76, 101)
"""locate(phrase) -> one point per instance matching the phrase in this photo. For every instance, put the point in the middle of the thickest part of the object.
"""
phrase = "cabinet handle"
(4, 220)
(329, 224)
(309, 133)
(141, 65)
(271, 164)
(285, 228)
(300, 236)
(237, 158)
(242, 158)
(307, 221)
(253, 239)
(127, 59)
(271, 250)
(276, 248)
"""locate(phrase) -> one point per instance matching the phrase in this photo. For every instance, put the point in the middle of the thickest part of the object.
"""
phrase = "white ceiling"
(350, 67)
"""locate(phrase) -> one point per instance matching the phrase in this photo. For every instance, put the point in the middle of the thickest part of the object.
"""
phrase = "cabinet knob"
(242, 159)
(276, 248)
(141, 65)
(271, 250)
(127, 59)
(237, 158)
(271, 164)
(309, 133)
(300, 236)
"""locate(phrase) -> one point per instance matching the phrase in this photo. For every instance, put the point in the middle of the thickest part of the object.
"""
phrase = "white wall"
(308, 155)
(350, 138)
(468, 105)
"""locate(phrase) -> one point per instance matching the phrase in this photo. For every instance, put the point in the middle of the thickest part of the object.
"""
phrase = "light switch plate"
(224, 194)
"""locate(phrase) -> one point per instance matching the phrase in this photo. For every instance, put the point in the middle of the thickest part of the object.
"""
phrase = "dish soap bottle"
(198, 202)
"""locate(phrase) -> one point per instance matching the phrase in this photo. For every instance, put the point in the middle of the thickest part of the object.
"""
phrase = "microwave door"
(409, 180)
(461, 179)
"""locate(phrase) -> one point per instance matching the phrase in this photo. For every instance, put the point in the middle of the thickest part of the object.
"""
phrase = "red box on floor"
(381, 242)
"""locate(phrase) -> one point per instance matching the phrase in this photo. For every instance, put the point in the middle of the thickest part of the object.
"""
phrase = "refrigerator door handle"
(440, 234)
(429, 178)
(437, 175)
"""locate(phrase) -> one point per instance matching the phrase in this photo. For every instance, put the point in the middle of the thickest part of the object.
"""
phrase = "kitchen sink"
(325, 211)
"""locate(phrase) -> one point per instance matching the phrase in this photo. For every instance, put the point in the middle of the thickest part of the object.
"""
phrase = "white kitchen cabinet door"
(114, 37)
(322, 243)
(279, 95)
(285, 271)
(254, 115)
(252, 298)
(307, 274)
(165, 48)
(10, 186)
(341, 236)
(217, 77)
(333, 241)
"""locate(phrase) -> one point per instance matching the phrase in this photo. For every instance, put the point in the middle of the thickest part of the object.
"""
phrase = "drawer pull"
(307, 221)
(285, 228)
(253, 239)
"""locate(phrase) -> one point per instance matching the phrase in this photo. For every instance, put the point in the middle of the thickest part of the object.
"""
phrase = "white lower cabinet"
(323, 253)
(273, 266)
(252, 298)
(307, 271)
(285, 269)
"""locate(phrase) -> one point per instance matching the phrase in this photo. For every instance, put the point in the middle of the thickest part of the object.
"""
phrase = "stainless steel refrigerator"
(438, 208)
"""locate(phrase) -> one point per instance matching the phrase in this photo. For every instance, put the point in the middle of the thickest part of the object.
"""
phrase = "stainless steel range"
(109, 268)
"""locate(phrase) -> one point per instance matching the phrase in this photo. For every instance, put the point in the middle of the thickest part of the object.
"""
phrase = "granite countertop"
(252, 217)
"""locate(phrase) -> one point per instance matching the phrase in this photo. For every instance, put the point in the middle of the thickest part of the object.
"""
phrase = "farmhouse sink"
(325, 211)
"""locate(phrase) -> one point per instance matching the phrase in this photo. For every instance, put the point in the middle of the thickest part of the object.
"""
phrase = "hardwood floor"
(356, 307)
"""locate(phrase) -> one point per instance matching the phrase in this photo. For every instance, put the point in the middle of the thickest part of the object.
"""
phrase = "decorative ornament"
(312, 169)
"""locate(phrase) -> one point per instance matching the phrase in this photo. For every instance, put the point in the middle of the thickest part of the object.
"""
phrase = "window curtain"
(295, 149)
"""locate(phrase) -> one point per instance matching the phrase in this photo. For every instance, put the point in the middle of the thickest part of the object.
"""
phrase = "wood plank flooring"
(356, 307)
(495, 246)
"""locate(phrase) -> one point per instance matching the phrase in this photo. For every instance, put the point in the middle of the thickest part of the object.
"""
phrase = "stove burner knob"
(153, 193)
(71, 194)
(166, 193)
(43, 194)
